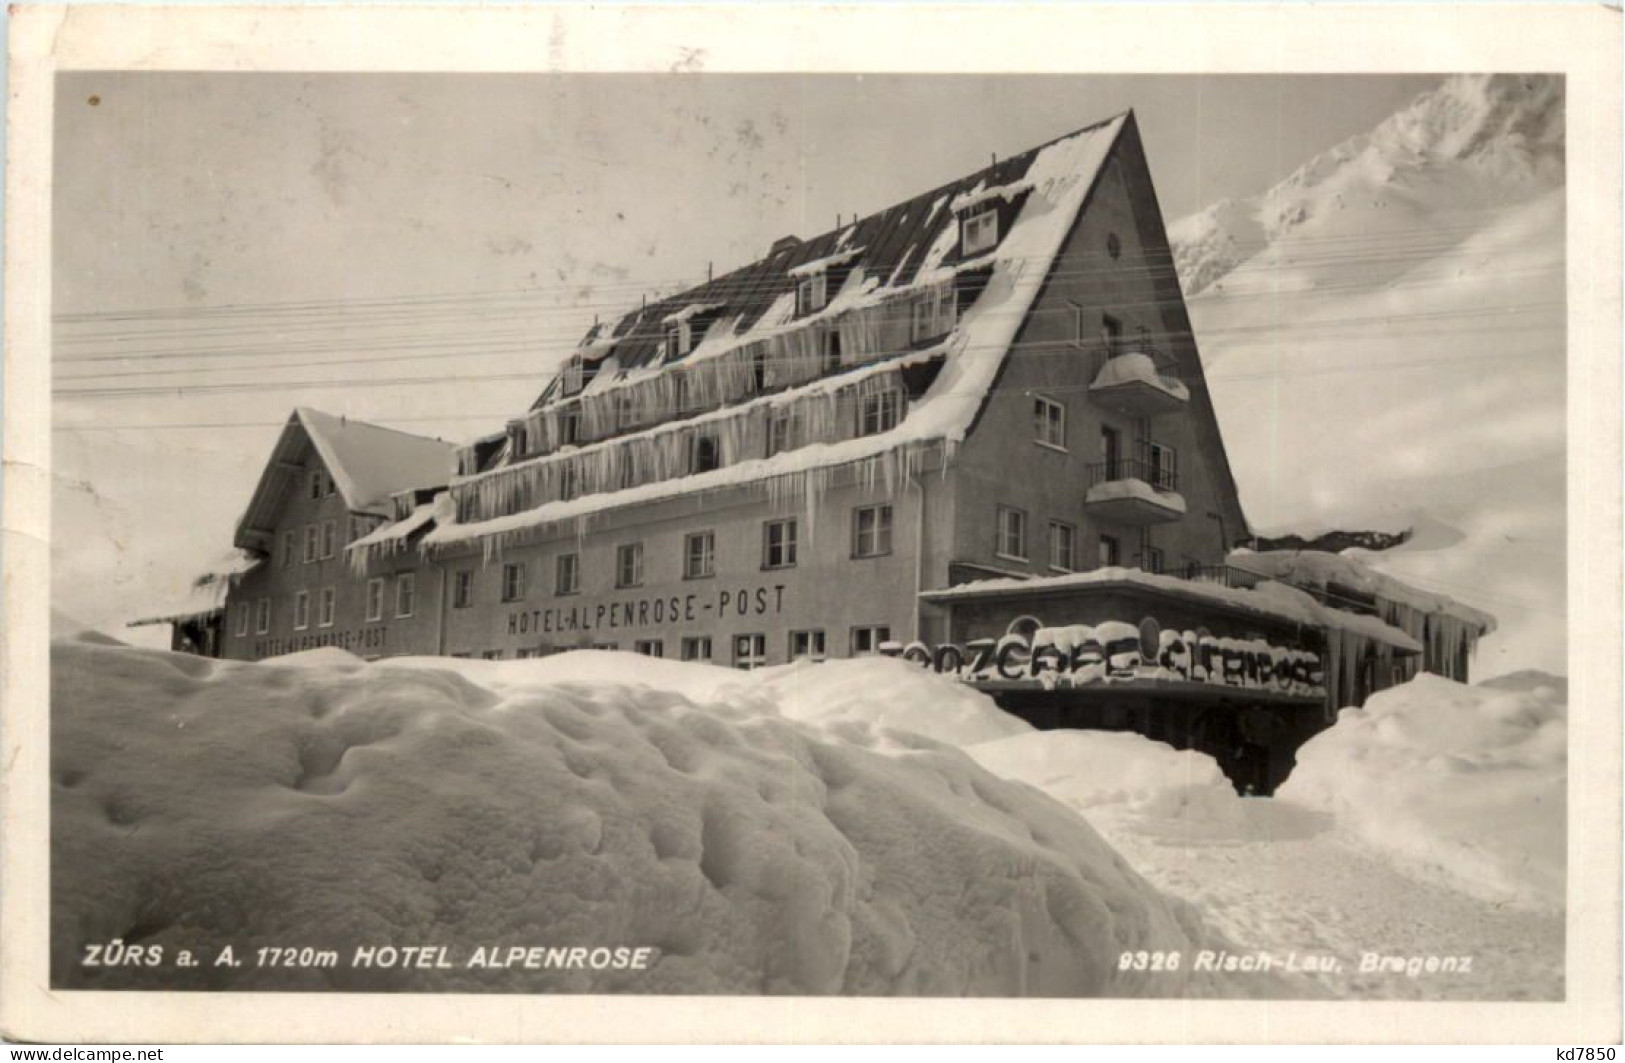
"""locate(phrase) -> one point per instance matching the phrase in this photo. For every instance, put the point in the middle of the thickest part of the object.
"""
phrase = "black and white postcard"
(905, 522)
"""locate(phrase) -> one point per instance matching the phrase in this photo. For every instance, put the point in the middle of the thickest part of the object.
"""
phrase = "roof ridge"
(347, 420)
(758, 263)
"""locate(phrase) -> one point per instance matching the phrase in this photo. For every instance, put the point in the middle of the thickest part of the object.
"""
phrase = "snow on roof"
(1319, 569)
(821, 265)
(1060, 173)
(398, 533)
(886, 243)
(370, 463)
(1276, 600)
(786, 463)
(207, 594)
(966, 200)
(689, 311)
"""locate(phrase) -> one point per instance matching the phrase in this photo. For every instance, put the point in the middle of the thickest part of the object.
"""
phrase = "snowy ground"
(808, 829)
(319, 801)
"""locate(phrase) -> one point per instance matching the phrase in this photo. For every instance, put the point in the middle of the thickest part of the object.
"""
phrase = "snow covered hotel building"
(971, 428)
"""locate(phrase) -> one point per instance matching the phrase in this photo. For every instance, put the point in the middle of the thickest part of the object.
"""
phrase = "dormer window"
(573, 378)
(679, 339)
(812, 293)
(979, 232)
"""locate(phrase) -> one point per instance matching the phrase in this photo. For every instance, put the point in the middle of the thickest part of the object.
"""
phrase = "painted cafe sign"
(1116, 652)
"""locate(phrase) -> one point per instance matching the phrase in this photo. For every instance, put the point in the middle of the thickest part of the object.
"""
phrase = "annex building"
(976, 420)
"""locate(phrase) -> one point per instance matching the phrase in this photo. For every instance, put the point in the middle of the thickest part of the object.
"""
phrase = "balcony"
(1132, 492)
(1131, 384)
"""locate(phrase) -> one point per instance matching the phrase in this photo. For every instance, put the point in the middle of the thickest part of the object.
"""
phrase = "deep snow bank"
(1087, 769)
(1466, 783)
(322, 801)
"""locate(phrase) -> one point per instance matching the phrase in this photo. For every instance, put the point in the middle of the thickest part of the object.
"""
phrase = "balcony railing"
(1222, 575)
(1159, 477)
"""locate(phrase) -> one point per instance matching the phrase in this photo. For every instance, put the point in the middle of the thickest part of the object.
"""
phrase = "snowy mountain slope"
(1417, 183)
(1368, 376)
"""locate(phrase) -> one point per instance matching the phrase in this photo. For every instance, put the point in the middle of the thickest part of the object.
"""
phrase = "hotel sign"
(624, 613)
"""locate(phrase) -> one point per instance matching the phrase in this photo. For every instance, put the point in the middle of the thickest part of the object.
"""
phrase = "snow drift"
(321, 801)
(1467, 784)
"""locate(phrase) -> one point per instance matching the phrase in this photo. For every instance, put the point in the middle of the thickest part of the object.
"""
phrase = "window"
(1063, 540)
(301, 610)
(567, 481)
(629, 565)
(242, 619)
(628, 474)
(513, 581)
(462, 589)
(750, 651)
(1108, 551)
(696, 647)
(567, 574)
(406, 593)
(809, 644)
(1012, 541)
(871, 531)
(866, 640)
(329, 607)
(329, 539)
(1164, 462)
(316, 484)
(879, 412)
(375, 599)
(811, 293)
(981, 232)
(491, 655)
(569, 426)
(923, 319)
(1111, 334)
(779, 543)
(262, 617)
(290, 549)
(678, 339)
(832, 350)
(700, 555)
(649, 647)
(331, 484)
(1049, 422)
(779, 422)
(312, 542)
(705, 453)
(1153, 559)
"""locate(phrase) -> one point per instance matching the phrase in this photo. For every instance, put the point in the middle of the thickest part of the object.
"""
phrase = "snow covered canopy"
(368, 464)
(1272, 600)
(896, 285)
(1447, 630)
(207, 594)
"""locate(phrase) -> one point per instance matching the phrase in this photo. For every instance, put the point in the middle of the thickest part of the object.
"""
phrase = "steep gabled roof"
(368, 464)
(910, 248)
(893, 248)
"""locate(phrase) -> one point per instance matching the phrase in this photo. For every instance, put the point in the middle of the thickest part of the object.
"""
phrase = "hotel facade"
(921, 429)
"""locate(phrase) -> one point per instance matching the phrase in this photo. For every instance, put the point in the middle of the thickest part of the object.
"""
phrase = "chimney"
(784, 243)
